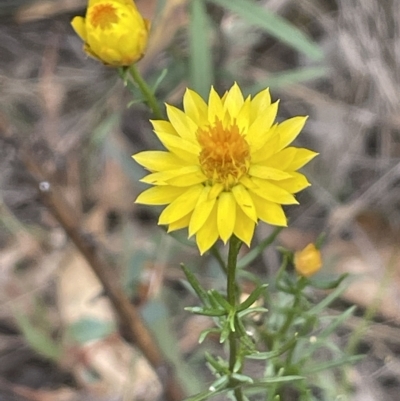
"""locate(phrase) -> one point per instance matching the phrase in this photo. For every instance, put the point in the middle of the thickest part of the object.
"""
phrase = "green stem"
(234, 246)
(146, 91)
(290, 316)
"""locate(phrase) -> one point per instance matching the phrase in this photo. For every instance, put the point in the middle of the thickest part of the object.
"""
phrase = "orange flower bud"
(308, 261)
(113, 32)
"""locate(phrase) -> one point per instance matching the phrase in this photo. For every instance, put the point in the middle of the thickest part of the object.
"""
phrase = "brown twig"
(129, 316)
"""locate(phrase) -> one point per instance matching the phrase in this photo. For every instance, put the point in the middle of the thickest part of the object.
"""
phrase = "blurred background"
(336, 61)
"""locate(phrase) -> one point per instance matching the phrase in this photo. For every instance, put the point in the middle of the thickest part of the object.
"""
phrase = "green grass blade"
(316, 368)
(201, 68)
(290, 77)
(38, 338)
(272, 24)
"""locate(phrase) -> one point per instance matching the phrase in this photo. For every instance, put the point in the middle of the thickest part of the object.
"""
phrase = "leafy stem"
(148, 94)
(234, 246)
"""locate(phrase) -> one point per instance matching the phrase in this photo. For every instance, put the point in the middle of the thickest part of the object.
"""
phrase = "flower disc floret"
(227, 165)
(225, 155)
(113, 32)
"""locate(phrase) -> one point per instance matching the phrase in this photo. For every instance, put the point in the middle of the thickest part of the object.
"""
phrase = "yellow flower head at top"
(113, 32)
(227, 165)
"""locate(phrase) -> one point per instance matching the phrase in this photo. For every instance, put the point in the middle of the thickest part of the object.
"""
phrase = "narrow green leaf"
(231, 319)
(289, 77)
(273, 354)
(242, 378)
(198, 310)
(238, 365)
(88, 329)
(219, 366)
(328, 300)
(226, 329)
(258, 309)
(273, 24)
(328, 284)
(220, 299)
(38, 339)
(159, 80)
(255, 252)
(247, 341)
(273, 380)
(252, 297)
(337, 322)
(206, 332)
(332, 364)
(200, 291)
(321, 338)
(201, 69)
(219, 384)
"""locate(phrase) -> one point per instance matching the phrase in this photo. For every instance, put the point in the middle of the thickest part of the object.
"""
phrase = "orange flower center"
(103, 15)
(225, 154)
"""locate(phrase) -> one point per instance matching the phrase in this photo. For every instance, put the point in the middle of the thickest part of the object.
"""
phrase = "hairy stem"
(234, 246)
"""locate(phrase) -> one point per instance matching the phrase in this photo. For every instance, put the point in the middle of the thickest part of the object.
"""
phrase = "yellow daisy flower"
(227, 166)
(113, 32)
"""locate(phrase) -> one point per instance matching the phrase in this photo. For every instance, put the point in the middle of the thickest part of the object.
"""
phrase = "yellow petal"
(243, 116)
(244, 227)
(181, 223)
(160, 195)
(272, 192)
(226, 215)
(163, 126)
(268, 149)
(195, 107)
(289, 129)
(78, 23)
(215, 107)
(184, 149)
(260, 103)
(234, 100)
(297, 183)
(268, 173)
(302, 157)
(247, 182)
(245, 201)
(269, 212)
(155, 160)
(280, 160)
(181, 206)
(202, 211)
(89, 52)
(183, 125)
(259, 131)
(216, 189)
(191, 178)
(182, 177)
(208, 233)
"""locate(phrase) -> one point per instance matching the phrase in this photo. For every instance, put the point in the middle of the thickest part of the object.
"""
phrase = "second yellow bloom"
(113, 32)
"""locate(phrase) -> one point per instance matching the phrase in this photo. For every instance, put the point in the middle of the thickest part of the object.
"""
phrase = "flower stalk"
(234, 247)
(148, 94)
